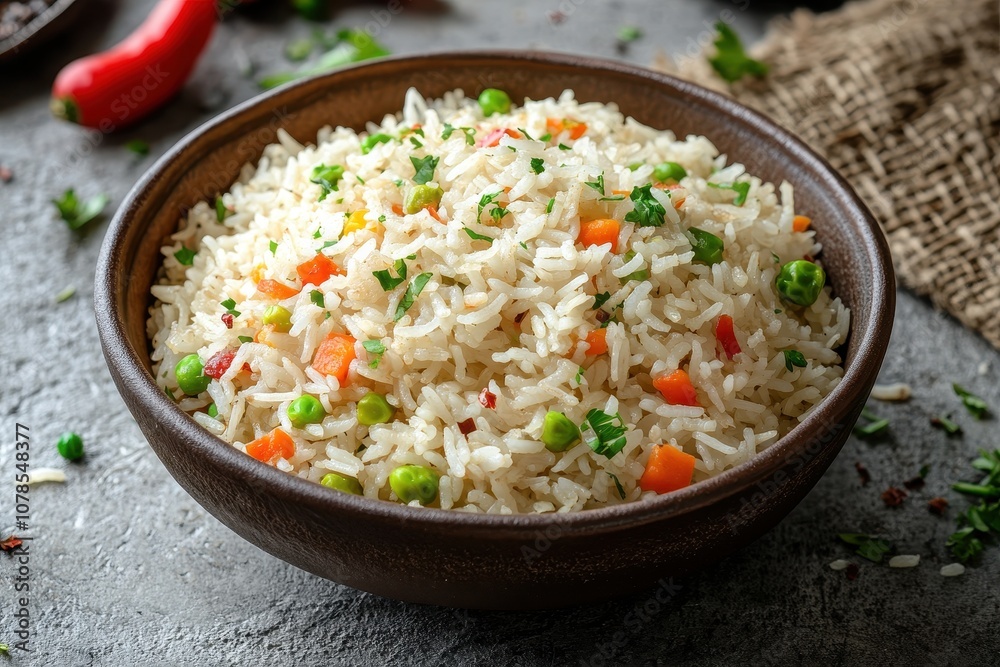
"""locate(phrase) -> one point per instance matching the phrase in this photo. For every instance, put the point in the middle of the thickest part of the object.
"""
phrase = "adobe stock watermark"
(901, 13)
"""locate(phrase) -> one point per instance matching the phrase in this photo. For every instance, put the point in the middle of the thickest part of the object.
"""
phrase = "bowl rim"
(131, 376)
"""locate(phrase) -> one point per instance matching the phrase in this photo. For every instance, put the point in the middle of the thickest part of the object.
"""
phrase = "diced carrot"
(800, 223)
(598, 342)
(272, 445)
(726, 336)
(432, 209)
(621, 192)
(668, 469)
(575, 128)
(397, 209)
(334, 356)
(677, 389)
(599, 232)
(276, 290)
(317, 270)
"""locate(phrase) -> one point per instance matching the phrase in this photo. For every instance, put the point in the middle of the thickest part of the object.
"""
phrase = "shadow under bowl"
(451, 558)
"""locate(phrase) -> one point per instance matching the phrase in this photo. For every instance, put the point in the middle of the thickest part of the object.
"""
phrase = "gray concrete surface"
(125, 569)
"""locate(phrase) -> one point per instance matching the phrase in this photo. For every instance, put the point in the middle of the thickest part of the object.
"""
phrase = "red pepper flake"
(219, 363)
(602, 316)
(914, 484)
(893, 497)
(808, 258)
(556, 17)
(519, 317)
(863, 473)
(468, 426)
(10, 543)
(488, 399)
(726, 335)
(937, 506)
(852, 571)
(6, 175)
(227, 319)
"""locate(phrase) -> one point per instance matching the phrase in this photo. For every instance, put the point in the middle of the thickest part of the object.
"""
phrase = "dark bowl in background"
(450, 558)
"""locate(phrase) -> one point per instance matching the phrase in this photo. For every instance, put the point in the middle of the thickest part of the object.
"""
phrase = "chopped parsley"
(387, 281)
(413, 290)
(299, 49)
(230, 307)
(604, 433)
(612, 198)
(946, 424)
(579, 375)
(350, 46)
(381, 219)
(76, 213)
(523, 245)
(66, 294)
(318, 233)
(220, 209)
(476, 236)
(326, 245)
(564, 147)
(635, 165)
(423, 169)
(774, 256)
(981, 520)
(317, 298)
(626, 34)
(185, 256)
(496, 213)
(245, 339)
(273, 245)
(794, 358)
(526, 135)
(470, 133)
(375, 349)
(976, 406)
(398, 183)
(545, 137)
(647, 210)
(600, 300)
(598, 184)
(137, 146)
(871, 548)
(741, 190)
(874, 426)
(326, 177)
(618, 485)
(416, 142)
(360, 180)
(537, 165)
(548, 207)
(731, 61)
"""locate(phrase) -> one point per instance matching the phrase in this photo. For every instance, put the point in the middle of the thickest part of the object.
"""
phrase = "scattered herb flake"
(741, 190)
(317, 233)
(731, 61)
(317, 298)
(386, 280)
(564, 147)
(600, 300)
(416, 142)
(75, 213)
(221, 212)
(326, 245)
(548, 207)
(875, 426)
(185, 256)
(628, 33)
(350, 46)
(976, 406)
(245, 339)
(545, 137)
(137, 146)
(375, 349)
(982, 520)
(230, 307)
(618, 485)
(423, 169)
(871, 548)
(598, 184)
(413, 290)
(298, 50)
(273, 245)
(476, 236)
(794, 358)
(579, 375)
(612, 198)
(946, 424)
(604, 433)
(326, 177)
(647, 210)
(537, 165)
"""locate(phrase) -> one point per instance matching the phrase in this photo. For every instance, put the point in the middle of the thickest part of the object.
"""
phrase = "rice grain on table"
(510, 314)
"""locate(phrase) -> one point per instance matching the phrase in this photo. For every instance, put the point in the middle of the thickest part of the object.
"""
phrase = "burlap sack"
(902, 97)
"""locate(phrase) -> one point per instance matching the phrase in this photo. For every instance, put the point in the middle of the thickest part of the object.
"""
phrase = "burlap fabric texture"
(903, 97)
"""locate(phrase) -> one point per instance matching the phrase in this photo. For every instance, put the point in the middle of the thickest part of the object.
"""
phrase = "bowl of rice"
(495, 330)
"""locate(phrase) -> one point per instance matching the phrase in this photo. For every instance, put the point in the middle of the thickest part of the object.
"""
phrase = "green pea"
(343, 483)
(669, 171)
(422, 196)
(372, 140)
(493, 100)
(640, 275)
(558, 432)
(411, 483)
(304, 410)
(707, 246)
(278, 317)
(70, 446)
(213, 410)
(190, 373)
(800, 282)
(374, 409)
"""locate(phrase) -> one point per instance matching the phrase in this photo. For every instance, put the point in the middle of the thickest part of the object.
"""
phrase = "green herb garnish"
(731, 61)
(537, 165)
(76, 213)
(871, 548)
(326, 177)
(874, 426)
(185, 256)
(976, 406)
(413, 290)
(299, 49)
(477, 236)
(273, 246)
(317, 298)
(564, 147)
(794, 358)
(598, 184)
(66, 294)
(350, 46)
(943, 422)
(424, 169)
(137, 146)
(387, 281)
(375, 349)
(618, 485)
(741, 190)
(982, 520)
(230, 307)
(604, 433)
(548, 207)
(496, 213)
(600, 300)
(647, 211)
(245, 339)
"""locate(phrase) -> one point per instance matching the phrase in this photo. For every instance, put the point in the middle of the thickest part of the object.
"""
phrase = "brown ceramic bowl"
(451, 558)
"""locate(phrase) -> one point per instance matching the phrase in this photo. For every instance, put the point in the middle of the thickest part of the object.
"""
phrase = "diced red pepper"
(468, 426)
(219, 363)
(227, 319)
(317, 270)
(488, 399)
(494, 137)
(726, 336)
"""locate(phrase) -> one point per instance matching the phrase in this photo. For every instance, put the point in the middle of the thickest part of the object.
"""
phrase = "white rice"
(461, 334)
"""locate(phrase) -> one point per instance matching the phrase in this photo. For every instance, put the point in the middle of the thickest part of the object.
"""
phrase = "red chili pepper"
(108, 90)
(726, 336)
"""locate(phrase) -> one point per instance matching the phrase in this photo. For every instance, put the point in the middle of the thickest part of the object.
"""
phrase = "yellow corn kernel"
(355, 221)
(257, 274)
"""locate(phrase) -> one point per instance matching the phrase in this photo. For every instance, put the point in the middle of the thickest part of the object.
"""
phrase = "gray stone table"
(126, 569)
